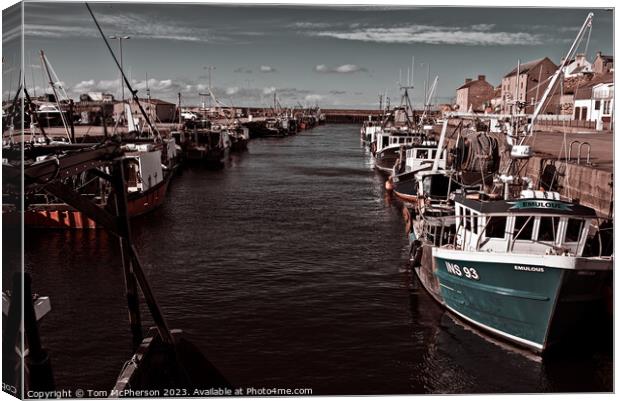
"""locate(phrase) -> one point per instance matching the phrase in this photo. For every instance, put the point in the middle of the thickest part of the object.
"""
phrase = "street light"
(120, 43)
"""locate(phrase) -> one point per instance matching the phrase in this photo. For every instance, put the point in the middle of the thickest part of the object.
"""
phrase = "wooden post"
(131, 288)
(71, 126)
(149, 298)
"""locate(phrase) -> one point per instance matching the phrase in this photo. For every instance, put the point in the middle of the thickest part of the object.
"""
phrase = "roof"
(583, 88)
(155, 101)
(606, 57)
(526, 206)
(581, 68)
(525, 67)
(471, 83)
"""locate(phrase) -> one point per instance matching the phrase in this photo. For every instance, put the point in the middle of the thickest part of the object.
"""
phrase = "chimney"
(467, 80)
(482, 77)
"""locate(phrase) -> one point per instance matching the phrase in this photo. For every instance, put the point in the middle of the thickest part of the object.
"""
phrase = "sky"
(341, 57)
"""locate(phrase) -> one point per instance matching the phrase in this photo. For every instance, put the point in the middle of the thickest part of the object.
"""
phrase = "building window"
(597, 105)
(606, 106)
(577, 113)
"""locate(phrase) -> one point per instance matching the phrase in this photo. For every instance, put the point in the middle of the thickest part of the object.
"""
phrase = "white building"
(599, 107)
(578, 66)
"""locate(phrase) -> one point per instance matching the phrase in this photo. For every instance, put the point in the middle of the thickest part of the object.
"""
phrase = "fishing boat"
(149, 162)
(273, 127)
(147, 180)
(239, 137)
(516, 262)
(427, 155)
(398, 130)
(387, 147)
(208, 144)
(369, 130)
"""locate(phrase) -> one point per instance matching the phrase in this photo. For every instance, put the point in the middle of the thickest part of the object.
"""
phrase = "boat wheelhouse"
(518, 267)
(388, 144)
(369, 131)
(147, 180)
(417, 158)
(274, 128)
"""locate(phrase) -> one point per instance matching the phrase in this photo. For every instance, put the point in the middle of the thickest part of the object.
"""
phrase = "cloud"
(232, 90)
(337, 92)
(313, 98)
(96, 86)
(341, 69)
(474, 35)
(267, 68)
(483, 27)
(138, 26)
(268, 90)
(310, 25)
(242, 70)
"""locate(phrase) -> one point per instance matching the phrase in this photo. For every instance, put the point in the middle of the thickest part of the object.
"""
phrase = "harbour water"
(288, 268)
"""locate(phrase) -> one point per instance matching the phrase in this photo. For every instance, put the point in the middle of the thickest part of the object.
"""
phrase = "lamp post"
(120, 44)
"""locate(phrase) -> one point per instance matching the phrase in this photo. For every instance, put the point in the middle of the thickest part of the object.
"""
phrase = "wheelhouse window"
(523, 227)
(422, 154)
(437, 186)
(467, 217)
(496, 227)
(548, 228)
(574, 227)
(474, 227)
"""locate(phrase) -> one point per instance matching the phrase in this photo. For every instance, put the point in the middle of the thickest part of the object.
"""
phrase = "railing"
(567, 123)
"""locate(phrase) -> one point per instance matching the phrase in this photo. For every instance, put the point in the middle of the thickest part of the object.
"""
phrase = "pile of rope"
(476, 152)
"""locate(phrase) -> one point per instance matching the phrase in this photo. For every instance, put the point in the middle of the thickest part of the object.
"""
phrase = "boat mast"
(427, 107)
(53, 86)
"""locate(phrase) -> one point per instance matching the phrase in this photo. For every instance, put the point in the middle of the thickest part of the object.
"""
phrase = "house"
(562, 98)
(158, 110)
(474, 95)
(603, 64)
(595, 102)
(577, 66)
(526, 88)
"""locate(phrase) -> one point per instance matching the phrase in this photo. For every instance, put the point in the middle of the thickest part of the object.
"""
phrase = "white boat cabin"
(396, 137)
(537, 223)
(423, 156)
(369, 131)
(143, 168)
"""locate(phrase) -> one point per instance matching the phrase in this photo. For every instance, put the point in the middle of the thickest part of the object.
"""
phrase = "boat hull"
(385, 160)
(406, 190)
(529, 304)
(145, 202)
(62, 216)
